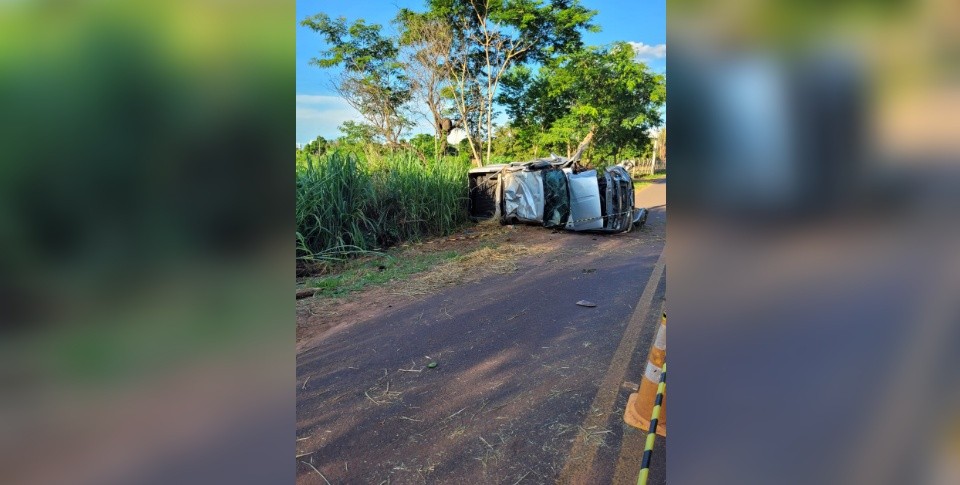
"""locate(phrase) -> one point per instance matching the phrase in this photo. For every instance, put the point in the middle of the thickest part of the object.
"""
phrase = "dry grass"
(380, 396)
(596, 438)
(469, 267)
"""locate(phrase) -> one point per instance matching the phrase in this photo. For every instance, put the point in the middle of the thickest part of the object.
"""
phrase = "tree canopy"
(317, 146)
(602, 90)
(491, 37)
(460, 63)
(373, 79)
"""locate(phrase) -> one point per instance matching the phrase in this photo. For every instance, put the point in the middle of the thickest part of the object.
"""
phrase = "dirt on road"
(484, 369)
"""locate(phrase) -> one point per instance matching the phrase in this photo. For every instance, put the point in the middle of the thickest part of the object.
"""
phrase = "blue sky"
(320, 110)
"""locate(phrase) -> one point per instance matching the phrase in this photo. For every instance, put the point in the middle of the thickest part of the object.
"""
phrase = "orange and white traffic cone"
(640, 404)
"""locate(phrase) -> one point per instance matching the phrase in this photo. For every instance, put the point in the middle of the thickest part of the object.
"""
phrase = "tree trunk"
(583, 144)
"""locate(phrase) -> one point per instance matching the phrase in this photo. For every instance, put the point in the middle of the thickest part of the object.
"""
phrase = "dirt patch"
(484, 250)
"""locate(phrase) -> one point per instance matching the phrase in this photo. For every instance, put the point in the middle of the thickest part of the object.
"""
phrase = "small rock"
(586, 303)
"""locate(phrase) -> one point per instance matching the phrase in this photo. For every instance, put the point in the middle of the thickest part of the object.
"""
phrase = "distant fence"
(640, 167)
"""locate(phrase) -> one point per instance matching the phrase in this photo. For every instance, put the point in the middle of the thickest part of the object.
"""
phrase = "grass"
(366, 272)
(434, 270)
(642, 181)
(348, 204)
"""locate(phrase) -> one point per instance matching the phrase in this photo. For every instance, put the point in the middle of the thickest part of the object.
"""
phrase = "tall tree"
(600, 92)
(372, 78)
(425, 45)
(491, 36)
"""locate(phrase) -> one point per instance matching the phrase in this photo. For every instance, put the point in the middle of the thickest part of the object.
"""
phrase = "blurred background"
(813, 242)
(145, 210)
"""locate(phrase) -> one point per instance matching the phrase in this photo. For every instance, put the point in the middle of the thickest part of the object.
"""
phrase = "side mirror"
(639, 217)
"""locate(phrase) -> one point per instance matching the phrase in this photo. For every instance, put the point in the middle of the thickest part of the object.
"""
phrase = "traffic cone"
(640, 403)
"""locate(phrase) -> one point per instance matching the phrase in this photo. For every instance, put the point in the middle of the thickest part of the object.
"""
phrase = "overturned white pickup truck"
(551, 192)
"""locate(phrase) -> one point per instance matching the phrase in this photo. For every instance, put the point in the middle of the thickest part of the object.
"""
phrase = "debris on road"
(586, 303)
(432, 365)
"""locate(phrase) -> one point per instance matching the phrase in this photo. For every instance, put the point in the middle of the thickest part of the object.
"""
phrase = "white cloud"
(321, 115)
(648, 52)
(319, 99)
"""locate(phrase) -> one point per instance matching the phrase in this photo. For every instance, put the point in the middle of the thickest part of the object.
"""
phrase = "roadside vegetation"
(362, 273)
(433, 267)
(350, 204)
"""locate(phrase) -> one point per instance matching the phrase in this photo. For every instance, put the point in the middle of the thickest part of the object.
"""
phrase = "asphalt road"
(528, 387)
